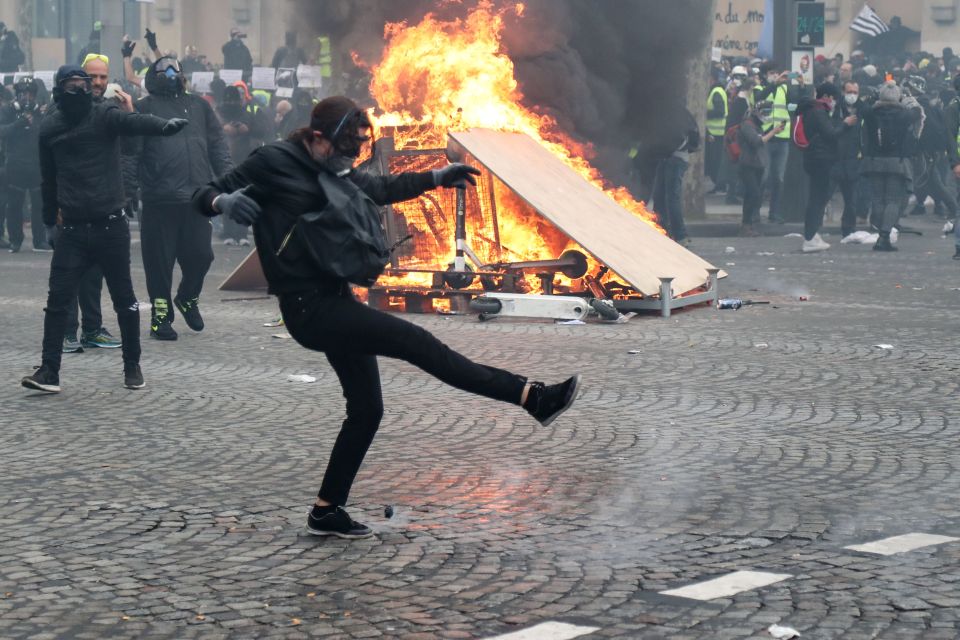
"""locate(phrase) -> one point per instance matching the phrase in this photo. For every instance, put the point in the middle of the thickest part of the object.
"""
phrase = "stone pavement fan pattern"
(177, 512)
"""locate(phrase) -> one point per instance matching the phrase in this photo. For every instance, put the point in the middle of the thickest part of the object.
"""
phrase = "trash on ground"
(730, 250)
(282, 336)
(274, 323)
(761, 345)
(771, 268)
(883, 346)
(918, 288)
(388, 511)
(783, 633)
(571, 322)
(766, 253)
(623, 319)
(793, 235)
(300, 377)
(860, 237)
(948, 227)
(731, 264)
(634, 352)
(804, 298)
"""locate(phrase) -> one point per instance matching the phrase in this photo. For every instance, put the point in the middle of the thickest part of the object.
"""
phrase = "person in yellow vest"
(776, 90)
(717, 108)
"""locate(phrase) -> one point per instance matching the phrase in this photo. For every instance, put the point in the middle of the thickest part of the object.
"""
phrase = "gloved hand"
(455, 174)
(151, 39)
(127, 48)
(52, 233)
(173, 126)
(238, 206)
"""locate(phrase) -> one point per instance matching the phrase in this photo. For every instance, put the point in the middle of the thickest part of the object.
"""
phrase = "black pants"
(817, 196)
(175, 234)
(937, 187)
(351, 335)
(752, 179)
(106, 244)
(852, 203)
(86, 304)
(16, 198)
(668, 196)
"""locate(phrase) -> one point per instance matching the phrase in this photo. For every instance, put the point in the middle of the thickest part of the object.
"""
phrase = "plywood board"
(248, 276)
(637, 252)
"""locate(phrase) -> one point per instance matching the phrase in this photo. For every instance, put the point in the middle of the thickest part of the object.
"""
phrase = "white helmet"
(740, 70)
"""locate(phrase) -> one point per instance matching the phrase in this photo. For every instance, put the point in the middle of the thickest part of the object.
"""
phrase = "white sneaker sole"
(815, 249)
(36, 386)
(345, 536)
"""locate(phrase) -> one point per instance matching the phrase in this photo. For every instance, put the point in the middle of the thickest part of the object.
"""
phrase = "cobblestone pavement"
(766, 439)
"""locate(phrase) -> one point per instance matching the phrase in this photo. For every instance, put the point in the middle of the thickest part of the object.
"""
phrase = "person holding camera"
(276, 189)
(83, 201)
(19, 127)
(171, 169)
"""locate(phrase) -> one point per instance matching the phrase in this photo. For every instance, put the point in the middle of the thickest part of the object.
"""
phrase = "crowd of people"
(877, 131)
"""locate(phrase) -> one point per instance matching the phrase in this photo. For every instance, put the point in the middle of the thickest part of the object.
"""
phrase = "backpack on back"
(800, 134)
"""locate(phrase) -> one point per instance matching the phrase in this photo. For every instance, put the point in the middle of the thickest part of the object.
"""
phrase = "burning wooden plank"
(633, 249)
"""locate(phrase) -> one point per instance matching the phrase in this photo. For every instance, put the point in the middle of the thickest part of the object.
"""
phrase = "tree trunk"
(698, 86)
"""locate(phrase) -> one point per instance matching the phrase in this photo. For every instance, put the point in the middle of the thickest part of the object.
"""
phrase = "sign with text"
(810, 24)
(737, 25)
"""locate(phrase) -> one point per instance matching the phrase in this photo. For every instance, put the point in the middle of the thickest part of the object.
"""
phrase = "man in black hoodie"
(83, 201)
(171, 169)
(823, 125)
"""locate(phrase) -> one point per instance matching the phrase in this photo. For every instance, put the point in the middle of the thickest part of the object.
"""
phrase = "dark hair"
(828, 89)
(301, 135)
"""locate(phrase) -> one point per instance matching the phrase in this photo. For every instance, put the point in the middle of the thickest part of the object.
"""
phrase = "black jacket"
(284, 179)
(951, 116)
(934, 139)
(237, 56)
(171, 169)
(80, 162)
(887, 130)
(822, 129)
(258, 130)
(21, 141)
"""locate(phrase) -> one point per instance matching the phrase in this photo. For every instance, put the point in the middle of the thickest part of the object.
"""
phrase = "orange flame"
(439, 76)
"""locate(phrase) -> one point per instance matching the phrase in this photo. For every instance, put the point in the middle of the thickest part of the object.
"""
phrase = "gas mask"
(347, 141)
(166, 77)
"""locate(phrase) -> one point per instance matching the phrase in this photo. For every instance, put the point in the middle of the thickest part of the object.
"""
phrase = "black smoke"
(610, 71)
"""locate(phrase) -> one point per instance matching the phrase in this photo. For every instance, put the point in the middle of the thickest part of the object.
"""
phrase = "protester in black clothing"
(171, 169)
(823, 125)
(83, 194)
(278, 183)
(236, 55)
(19, 128)
(289, 55)
(245, 128)
(935, 146)
(754, 161)
(846, 171)
(889, 127)
(678, 137)
(11, 55)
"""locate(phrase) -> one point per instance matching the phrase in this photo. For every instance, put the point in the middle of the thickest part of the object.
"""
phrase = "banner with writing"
(737, 25)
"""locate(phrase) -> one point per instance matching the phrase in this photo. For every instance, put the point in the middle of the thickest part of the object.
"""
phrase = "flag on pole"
(869, 23)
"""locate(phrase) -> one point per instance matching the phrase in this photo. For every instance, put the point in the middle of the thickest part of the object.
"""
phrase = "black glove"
(151, 39)
(52, 232)
(173, 126)
(239, 207)
(127, 48)
(455, 174)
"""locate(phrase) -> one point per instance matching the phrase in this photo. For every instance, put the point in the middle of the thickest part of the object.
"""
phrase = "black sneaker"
(191, 312)
(70, 345)
(161, 321)
(43, 379)
(132, 377)
(546, 403)
(14, 248)
(884, 244)
(336, 523)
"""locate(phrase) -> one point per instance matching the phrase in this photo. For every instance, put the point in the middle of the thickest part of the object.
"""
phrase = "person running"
(320, 310)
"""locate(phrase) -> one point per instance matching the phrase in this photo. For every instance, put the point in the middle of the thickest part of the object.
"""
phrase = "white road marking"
(901, 544)
(548, 631)
(727, 585)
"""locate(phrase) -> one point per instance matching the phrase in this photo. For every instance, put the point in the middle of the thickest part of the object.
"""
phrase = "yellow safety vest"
(324, 57)
(717, 127)
(780, 111)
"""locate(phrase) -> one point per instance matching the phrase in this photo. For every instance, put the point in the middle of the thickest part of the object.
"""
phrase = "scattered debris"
(860, 237)
(761, 345)
(766, 253)
(948, 227)
(730, 250)
(282, 336)
(300, 377)
(274, 323)
(736, 303)
(731, 264)
(918, 288)
(634, 352)
(804, 298)
(883, 346)
(571, 322)
(783, 633)
(771, 268)
(388, 511)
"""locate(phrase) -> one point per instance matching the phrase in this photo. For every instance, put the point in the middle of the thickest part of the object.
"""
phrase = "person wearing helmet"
(171, 169)
(19, 127)
(82, 203)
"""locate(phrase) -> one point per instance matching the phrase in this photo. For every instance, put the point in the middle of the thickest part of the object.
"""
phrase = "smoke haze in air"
(609, 71)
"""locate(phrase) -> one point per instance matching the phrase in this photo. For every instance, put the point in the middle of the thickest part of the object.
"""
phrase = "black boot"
(546, 403)
(884, 244)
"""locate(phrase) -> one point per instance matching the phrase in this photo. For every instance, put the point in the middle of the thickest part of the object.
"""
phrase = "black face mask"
(350, 146)
(75, 104)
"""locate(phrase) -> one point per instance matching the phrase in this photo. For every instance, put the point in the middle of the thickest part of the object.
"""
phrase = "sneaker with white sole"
(815, 244)
(43, 379)
(335, 522)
